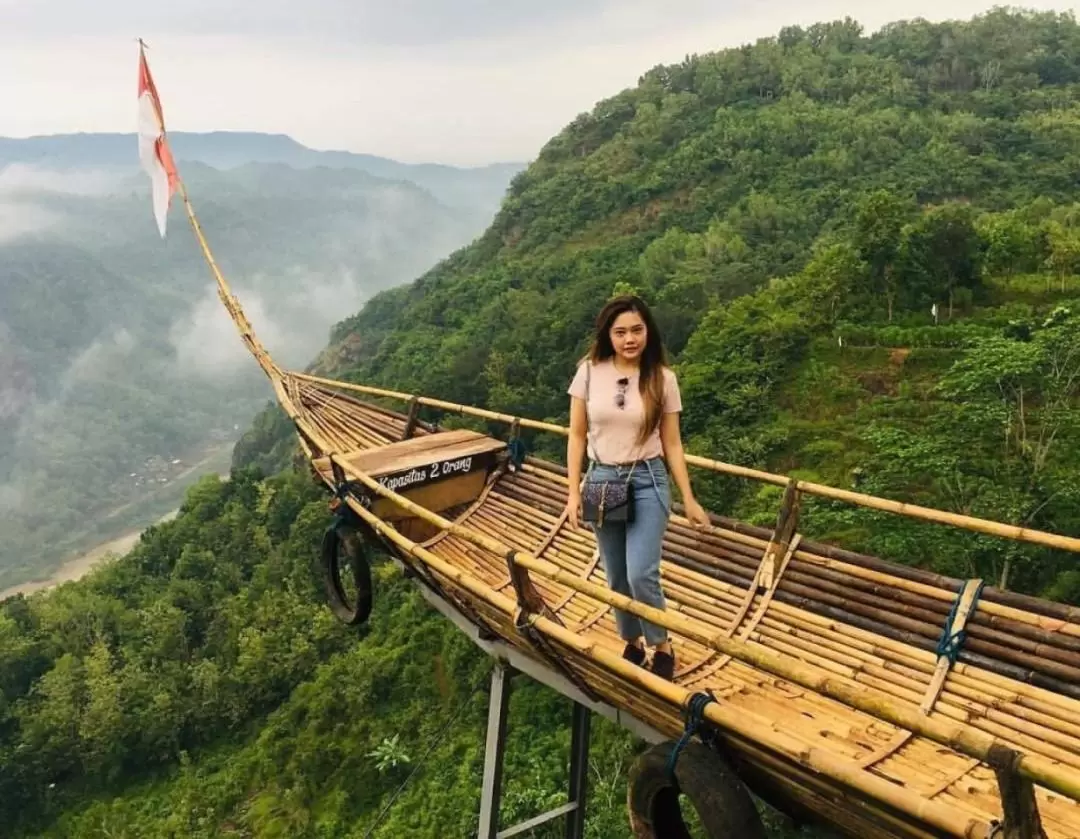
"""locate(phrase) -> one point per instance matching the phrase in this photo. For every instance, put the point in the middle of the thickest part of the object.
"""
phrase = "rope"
(525, 623)
(950, 644)
(416, 767)
(342, 489)
(695, 716)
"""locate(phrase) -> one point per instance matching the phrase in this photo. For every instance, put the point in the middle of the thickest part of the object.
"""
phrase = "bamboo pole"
(992, 528)
(967, 740)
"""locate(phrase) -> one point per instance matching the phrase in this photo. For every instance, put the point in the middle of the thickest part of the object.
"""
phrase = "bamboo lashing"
(953, 636)
(969, 741)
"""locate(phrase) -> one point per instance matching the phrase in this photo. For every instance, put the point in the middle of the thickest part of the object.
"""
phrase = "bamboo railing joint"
(413, 416)
(342, 485)
(527, 595)
(1021, 811)
(525, 622)
(787, 521)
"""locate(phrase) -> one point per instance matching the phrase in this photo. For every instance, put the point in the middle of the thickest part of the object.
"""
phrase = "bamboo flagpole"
(978, 525)
(157, 160)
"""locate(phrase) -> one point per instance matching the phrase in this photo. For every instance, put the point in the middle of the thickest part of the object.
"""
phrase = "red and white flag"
(154, 151)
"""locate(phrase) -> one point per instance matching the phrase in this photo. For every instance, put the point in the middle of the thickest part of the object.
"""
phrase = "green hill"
(772, 201)
(793, 208)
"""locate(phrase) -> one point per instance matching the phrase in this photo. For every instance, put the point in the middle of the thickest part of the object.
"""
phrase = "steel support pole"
(579, 771)
(491, 792)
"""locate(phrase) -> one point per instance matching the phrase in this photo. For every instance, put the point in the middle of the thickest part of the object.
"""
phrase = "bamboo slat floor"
(845, 617)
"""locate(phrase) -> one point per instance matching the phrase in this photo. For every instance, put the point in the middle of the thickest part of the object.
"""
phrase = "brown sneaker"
(663, 665)
(635, 655)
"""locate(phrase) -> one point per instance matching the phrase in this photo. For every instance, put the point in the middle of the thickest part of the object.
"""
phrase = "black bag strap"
(588, 423)
(594, 458)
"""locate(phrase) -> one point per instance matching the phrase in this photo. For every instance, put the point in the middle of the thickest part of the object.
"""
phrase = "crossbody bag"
(604, 500)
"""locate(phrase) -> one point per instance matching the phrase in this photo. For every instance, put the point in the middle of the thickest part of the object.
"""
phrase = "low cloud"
(21, 179)
(292, 321)
(28, 196)
(23, 218)
(104, 358)
(11, 498)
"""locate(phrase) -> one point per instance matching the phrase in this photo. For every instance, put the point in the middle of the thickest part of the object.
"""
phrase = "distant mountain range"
(478, 188)
(114, 349)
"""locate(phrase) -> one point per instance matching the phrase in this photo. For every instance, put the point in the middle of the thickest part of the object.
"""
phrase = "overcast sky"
(453, 81)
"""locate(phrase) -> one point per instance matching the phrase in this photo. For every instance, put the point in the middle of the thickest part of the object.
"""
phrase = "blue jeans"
(631, 552)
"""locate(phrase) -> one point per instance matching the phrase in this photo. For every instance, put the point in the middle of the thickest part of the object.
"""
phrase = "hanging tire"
(723, 805)
(336, 551)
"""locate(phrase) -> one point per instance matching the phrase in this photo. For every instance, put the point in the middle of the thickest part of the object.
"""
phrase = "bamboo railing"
(929, 514)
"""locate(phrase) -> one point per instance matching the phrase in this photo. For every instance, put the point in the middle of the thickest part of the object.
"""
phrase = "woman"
(625, 405)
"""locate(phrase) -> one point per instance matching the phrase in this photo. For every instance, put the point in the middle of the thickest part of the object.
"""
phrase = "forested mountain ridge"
(477, 189)
(758, 151)
(197, 687)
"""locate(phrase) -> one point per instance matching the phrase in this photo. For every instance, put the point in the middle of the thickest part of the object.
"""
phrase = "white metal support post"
(491, 792)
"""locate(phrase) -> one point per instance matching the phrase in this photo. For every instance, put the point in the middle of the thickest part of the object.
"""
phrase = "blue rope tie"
(695, 715)
(950, 645)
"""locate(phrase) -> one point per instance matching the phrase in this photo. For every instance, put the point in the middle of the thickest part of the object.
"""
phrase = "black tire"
(336, 550)
(723, 804)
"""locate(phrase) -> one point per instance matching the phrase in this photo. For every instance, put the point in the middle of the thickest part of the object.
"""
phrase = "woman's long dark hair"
(653, 357)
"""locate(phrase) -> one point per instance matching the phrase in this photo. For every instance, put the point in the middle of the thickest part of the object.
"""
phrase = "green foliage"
(940, 256)
(714, 176)
(199, 687)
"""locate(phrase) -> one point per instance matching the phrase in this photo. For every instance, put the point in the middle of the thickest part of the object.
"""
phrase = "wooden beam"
(787, 522)
(1022, 819)
(410, 420)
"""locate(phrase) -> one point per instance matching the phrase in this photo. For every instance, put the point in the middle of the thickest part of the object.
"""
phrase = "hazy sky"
(455, 81)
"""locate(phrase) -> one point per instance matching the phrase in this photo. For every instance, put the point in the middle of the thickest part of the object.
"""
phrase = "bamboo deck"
(842, 618)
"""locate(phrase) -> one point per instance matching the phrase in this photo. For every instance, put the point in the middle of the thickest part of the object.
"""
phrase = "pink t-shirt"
(613, 431)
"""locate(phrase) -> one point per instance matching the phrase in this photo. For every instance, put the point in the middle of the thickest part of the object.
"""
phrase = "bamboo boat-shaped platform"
(829, 691)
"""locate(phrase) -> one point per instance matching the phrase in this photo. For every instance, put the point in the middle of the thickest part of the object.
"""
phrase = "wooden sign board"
(419, 476)
(437, 471)
(436, 486)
